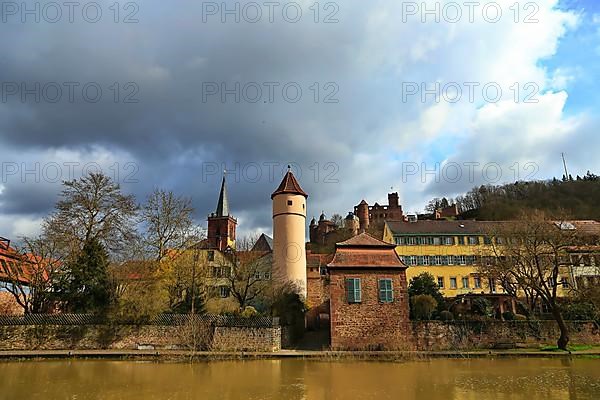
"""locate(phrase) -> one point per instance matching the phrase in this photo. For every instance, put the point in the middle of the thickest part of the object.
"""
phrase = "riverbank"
(181, 355)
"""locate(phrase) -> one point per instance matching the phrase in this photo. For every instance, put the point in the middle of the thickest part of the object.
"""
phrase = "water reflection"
(296, 379)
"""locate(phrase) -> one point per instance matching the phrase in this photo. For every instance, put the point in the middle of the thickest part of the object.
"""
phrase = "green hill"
(578, 198)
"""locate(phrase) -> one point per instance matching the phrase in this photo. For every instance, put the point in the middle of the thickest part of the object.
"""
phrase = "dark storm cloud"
(344, 151)
(171, 132)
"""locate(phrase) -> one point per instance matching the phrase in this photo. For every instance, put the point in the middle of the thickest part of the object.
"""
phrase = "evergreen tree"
(86, 287)
(424, 284)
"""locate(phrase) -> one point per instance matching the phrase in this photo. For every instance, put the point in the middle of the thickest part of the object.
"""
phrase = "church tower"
(221, 225)
(289, 225)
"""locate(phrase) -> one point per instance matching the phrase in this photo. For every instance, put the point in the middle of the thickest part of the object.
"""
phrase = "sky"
(426, 98)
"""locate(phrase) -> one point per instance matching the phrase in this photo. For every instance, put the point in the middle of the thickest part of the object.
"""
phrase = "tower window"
(289, 202)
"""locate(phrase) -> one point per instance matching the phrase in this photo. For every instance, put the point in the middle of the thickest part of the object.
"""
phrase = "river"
(440, 379)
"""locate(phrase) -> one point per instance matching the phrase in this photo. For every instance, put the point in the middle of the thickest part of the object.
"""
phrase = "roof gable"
(365, 252)
(364, 240)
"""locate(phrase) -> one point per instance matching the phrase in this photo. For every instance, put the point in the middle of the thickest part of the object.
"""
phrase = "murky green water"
(296, 379)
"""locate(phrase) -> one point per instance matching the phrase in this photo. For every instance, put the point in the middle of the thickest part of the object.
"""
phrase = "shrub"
(481, 306)
(425, 283)
(508, 316)
(195, 334)
(423, 305)
(248, 312)
(446, 316)
(580, 311)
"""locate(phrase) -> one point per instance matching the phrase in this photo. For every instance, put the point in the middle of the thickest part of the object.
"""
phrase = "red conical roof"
(290, 185)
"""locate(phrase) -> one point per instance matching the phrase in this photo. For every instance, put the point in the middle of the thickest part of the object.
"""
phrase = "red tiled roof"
(21, 267)
(289, 184)
(365, 240)
(364, 251)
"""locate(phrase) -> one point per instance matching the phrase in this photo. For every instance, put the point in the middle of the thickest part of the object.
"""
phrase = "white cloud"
(371, 131)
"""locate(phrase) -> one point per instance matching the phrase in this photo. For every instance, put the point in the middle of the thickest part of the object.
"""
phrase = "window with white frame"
(386, 291)
(353, 290)
(453, 282)
(473, 240)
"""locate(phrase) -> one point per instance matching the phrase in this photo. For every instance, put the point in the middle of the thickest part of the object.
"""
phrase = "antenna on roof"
(565, 165)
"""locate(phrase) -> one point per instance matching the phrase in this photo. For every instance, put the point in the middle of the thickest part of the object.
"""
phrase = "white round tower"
(289, 237)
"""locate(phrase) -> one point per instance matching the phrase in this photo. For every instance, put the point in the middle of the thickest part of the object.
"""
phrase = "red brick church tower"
(221, 225)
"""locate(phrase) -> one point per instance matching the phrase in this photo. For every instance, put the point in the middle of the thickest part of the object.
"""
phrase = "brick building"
(368, 296)
(376, 214)
(317, 297)
(221, 225)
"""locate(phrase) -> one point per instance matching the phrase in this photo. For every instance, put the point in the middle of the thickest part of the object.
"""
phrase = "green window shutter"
(349, 290)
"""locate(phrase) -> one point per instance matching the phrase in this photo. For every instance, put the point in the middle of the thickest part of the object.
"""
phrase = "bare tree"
(528, 259)
(250, 272)
(433, 205)
(31, 276)
(168, 222)
(92, 207)
(338, 220)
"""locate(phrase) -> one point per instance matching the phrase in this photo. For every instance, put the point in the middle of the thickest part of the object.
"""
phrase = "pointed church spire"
(223, 204)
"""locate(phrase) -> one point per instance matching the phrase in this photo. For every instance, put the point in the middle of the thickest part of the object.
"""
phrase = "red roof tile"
(289, 184)
(364, 251)
(364, 239)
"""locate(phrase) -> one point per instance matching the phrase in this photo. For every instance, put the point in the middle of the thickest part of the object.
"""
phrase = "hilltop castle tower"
(289, 226)
(221, 225)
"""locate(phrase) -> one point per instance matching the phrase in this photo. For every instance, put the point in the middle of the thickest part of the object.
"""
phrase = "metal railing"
(161, 319)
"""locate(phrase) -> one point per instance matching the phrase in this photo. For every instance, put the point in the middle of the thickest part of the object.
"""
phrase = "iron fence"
(162, 319)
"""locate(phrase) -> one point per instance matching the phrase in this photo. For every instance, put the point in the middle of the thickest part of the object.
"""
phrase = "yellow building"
(448, 250)
(451, 251)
